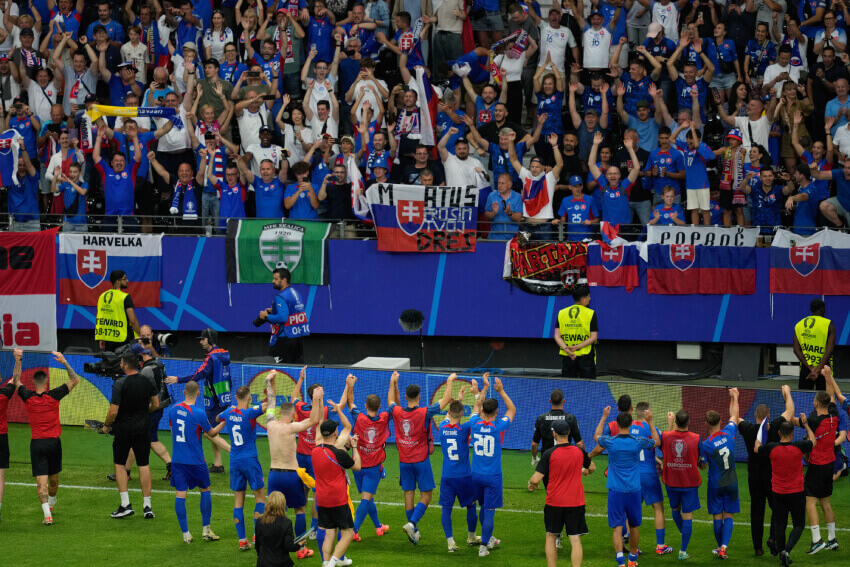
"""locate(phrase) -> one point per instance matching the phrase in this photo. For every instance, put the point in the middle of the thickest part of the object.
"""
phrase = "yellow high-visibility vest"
(574, 325)
(812, 333)
(111, 323)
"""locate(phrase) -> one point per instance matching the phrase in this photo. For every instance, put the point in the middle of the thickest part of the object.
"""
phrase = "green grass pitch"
(84, 534)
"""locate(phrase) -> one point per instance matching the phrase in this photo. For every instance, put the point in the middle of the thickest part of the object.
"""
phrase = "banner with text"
(254, 248)
(702, 235)
(86, 260)
(545, 268)
(28, 289)
(417, 218)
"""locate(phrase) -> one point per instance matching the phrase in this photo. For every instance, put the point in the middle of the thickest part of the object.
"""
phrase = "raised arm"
(393, 394)
(591, 158)
(510, 408)
(447, 394)
(600, 427)
(73, 379)
(734, 410)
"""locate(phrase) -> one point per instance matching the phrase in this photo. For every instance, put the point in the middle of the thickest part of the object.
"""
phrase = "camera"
(109, 365)
(161, 339)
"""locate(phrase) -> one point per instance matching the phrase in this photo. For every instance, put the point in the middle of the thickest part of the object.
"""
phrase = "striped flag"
(428, 99)
(10, 146)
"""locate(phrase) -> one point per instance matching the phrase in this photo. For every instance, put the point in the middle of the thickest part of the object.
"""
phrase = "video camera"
(110, 364)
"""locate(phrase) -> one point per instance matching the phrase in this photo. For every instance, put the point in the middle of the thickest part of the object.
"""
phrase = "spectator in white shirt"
(461, 170)
(556, 39)
(137, 53)
(775, 75)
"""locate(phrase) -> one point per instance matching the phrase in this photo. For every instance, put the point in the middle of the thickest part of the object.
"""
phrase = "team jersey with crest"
(487, 439)
(719, 451)
(454, 442)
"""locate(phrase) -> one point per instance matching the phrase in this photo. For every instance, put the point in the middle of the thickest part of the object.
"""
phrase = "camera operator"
(115, 314)
(134, 397)
(149, 341)
(153, 370)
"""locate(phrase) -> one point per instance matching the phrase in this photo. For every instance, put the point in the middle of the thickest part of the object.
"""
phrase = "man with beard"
(287, 318)
(115, 315)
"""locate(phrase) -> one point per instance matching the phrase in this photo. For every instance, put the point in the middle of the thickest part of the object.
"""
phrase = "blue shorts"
(290, 485)
(650, 488)
(212, 414)
(367, 479)
(461, 488)
(153, 428)
(244, 472)
(416, 474)
(187, 477)
(488, 490)
(624, 506)
(305, 462)
(721, 499)
(685, 498)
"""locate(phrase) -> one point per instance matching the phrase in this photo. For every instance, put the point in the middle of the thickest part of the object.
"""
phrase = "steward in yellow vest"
(116, 323)
(814, 341)
(576, 332)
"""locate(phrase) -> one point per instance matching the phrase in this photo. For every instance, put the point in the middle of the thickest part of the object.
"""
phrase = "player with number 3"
(717, 452)
(487, 434)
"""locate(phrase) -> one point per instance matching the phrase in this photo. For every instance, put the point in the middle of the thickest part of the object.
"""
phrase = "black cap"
(328, 427)
(265, 129)
(210, 334)
(90, 98)
(212, 61)
(139, 349)
(560, 427)
(27, 31)
(98, 28)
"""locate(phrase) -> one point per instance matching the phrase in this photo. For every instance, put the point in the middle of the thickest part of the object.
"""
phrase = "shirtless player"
(283, 475)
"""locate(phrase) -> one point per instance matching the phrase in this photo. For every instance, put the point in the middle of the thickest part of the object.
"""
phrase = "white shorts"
(698, 199)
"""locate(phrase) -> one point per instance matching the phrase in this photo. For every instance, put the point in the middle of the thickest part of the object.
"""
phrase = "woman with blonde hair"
(274, 534)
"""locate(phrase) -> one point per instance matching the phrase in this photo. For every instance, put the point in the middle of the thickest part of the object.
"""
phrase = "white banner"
(28, 322)
(702, 235)
(787, 239)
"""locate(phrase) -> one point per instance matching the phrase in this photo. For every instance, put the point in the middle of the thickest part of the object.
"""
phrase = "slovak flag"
(614, 266)
(427, 97)
(10, 146)
(535, 193)
(819, 264)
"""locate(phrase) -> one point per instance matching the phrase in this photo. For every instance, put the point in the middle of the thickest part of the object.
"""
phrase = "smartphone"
(269, 97)
(253, 74)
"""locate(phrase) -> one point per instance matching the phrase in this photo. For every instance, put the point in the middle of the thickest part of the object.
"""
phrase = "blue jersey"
(119, 187)
(667, 160)
(608, 10)
(636, 91)
(615, 201)
(269, 198)
(551, 106)
(766, 206)
(483, 111)
(696, 173)
(69, 197)
(442, 125)
(760, 55)
(187, 423)
(719, 451)
(683, 93)
(288, 317)
(127, 146)
(592, 99)
(241, 425)
(665, 214)
(414, 57)
(500, 161)
(231, 71)
(575, 212)
(302, 208)
(214, 372)
(716, 213)
(25, 128)
(624, 453)
(820, 165)
(646, 460)
(232, 202)
(454, 442)
(806, 211)
(487, 444)
(23, 199)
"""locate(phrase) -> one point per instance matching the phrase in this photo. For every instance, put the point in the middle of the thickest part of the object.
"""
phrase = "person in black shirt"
(543, 439)
(572, 166)
(337, 190)
(490, 130)
(409, 175)
(758, 465)
(275, 538)
(133, 399)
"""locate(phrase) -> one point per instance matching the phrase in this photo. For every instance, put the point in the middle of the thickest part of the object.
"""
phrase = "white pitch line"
(249, 495)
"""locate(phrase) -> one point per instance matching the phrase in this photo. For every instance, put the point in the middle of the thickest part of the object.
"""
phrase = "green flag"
(256, 247)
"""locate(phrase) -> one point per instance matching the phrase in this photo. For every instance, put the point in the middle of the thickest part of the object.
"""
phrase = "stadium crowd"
(625, 111)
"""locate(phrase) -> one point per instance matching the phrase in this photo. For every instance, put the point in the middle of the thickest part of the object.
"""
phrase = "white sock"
(451, 541)
(46, 508)
(147, 501)
(125, 498)
(206, 529)
(333, 562)
(815, 534)
(51, 501)
(187, 534)
(470, 536)
(830, 530)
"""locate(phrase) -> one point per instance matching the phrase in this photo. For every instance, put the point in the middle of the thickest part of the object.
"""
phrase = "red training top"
(681, 453)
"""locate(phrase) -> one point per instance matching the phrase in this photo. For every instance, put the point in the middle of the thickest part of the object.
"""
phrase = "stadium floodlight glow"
(411, 321)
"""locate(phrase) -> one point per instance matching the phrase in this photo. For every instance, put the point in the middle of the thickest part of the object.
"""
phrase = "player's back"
(719, 450)
(241, 425)
(186, 431)
(646, 458)
(487, 444)
(454, 443)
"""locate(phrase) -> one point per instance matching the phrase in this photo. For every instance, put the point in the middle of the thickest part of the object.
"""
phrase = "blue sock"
(373, 513)
(446, 519)
(488, 520)
(659, 537)
(314, 523)
(320, 540)
(239, 520)
(471, 519)
(409, 514)
(687, 530)
(718, 531)
(180, 509)
(300, 524)
(677, 519)
(728, 524)
(418, 512)
(259, 508)
(621, 559)
(362, 512)
(633, 557)
(206, 508)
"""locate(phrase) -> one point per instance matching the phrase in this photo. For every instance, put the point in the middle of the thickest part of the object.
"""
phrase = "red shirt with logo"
(681, 454)
(561, 467)
(307, 438)
(43, 411)
(329, 464)
(372, 434)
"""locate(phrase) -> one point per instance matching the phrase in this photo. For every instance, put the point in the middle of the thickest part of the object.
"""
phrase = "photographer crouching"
(134, 398)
